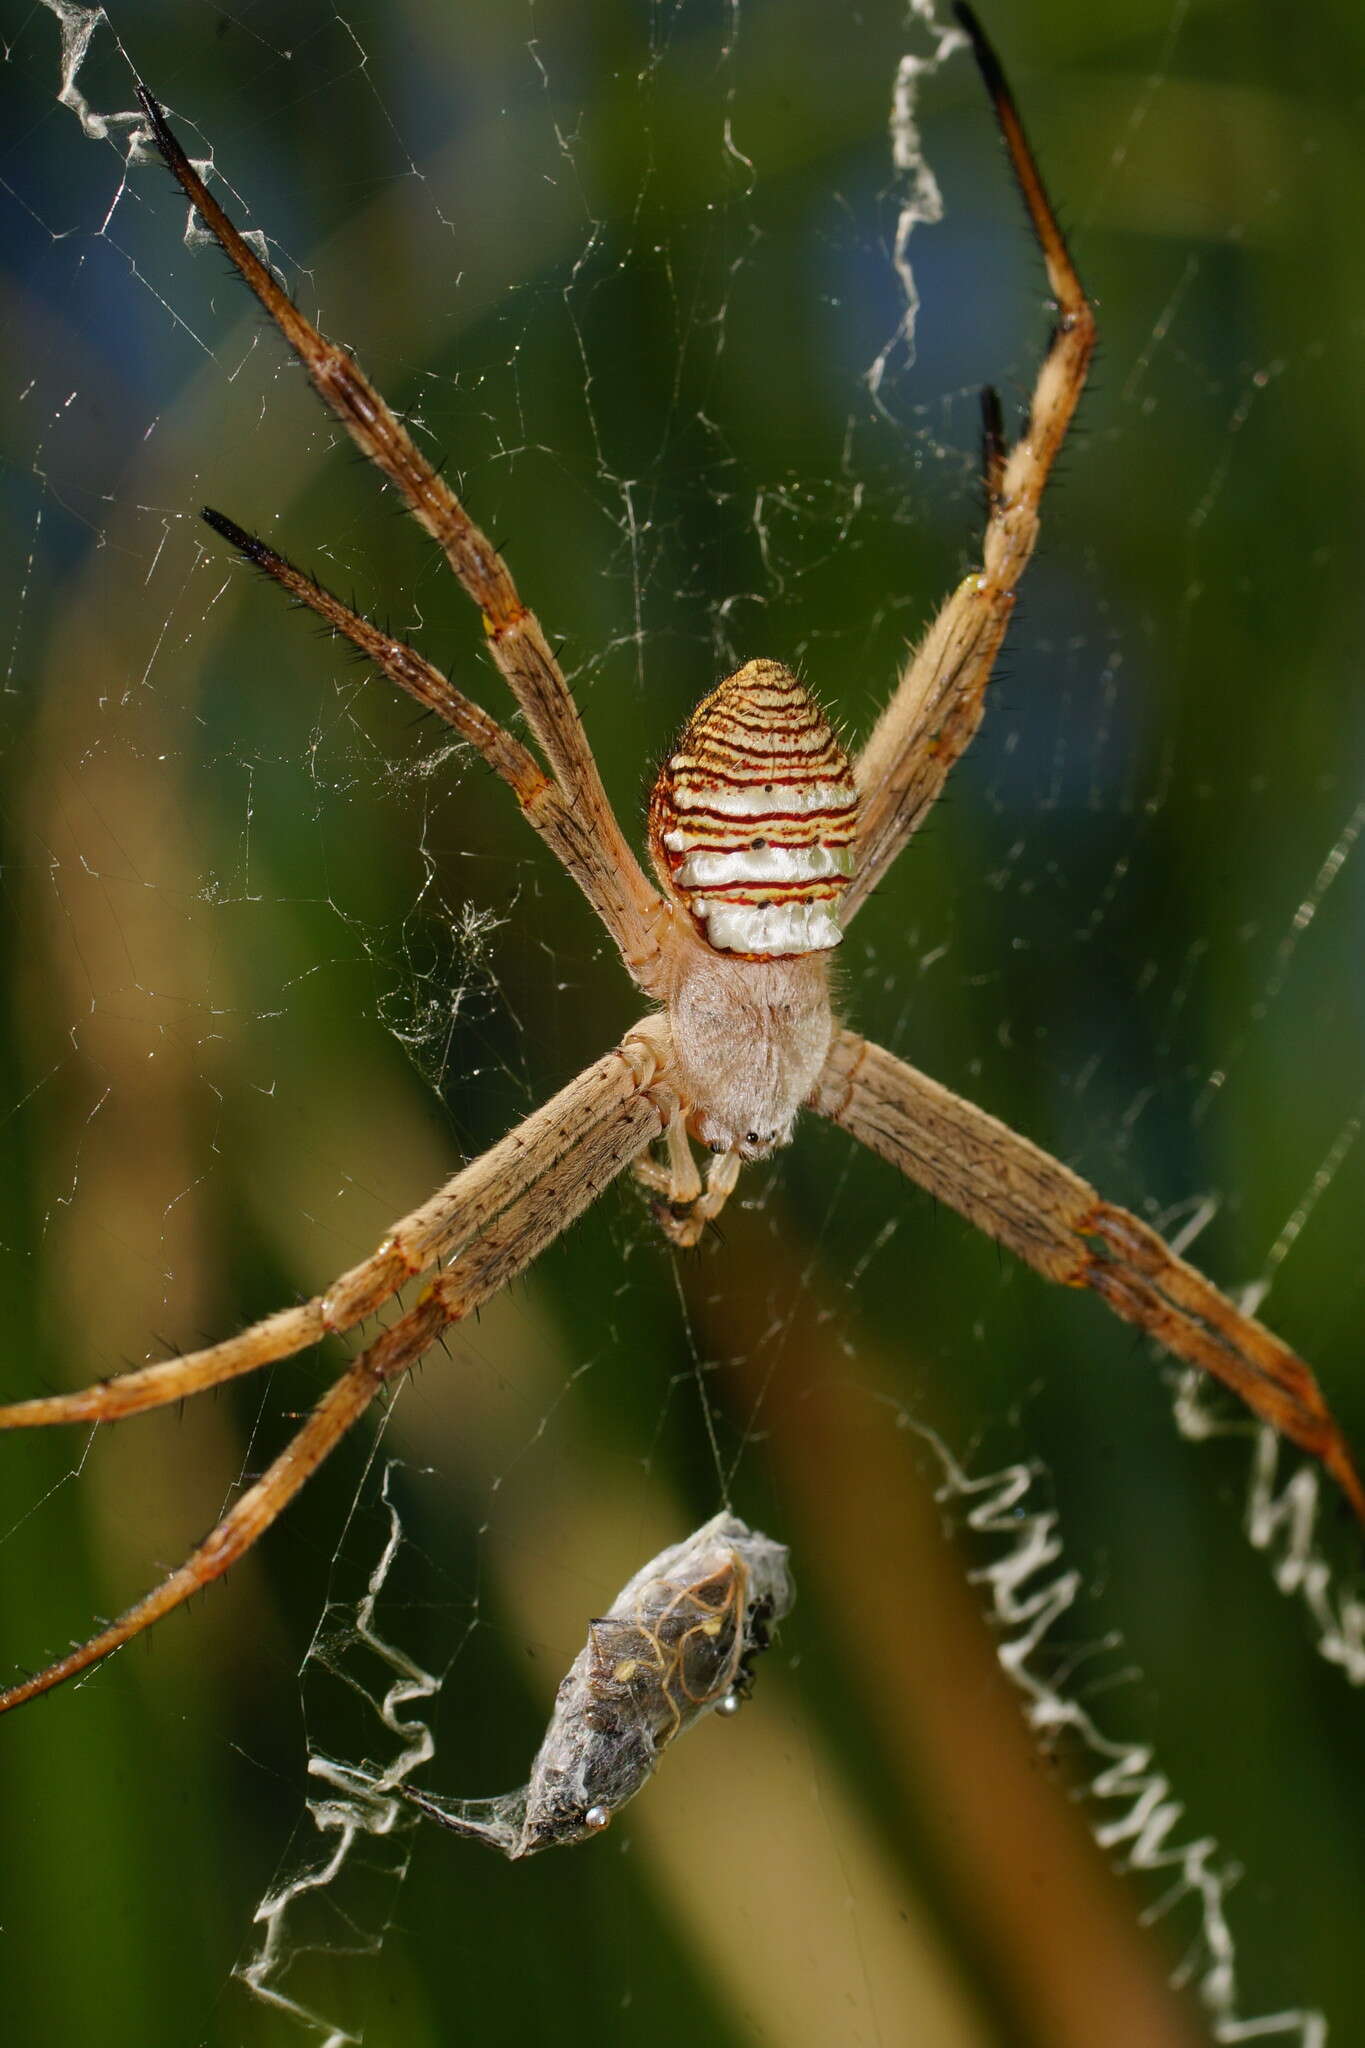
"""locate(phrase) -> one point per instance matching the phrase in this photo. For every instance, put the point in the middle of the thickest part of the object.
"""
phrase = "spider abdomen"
(752, 819)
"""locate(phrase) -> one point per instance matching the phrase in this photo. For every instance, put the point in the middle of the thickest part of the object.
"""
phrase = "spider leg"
(456, 1216)
(516, 640)
(1055, 1221)
(508, 1244)
(569, 834)
(994, 449)
(938, 704)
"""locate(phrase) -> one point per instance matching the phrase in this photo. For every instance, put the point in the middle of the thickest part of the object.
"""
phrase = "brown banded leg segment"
(569, 832)
(442, 1227)
(515, 639)
(938, 705)
(1058, 1224)
(505, 1248)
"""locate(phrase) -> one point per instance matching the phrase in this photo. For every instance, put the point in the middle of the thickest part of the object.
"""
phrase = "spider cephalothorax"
(759, 871)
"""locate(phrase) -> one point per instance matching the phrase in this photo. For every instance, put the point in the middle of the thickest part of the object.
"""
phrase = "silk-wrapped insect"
(677, 1642)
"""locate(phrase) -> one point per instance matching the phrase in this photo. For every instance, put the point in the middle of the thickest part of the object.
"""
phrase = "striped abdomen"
(752, 819)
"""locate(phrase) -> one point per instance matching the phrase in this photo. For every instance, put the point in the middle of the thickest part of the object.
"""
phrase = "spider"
(765, 841)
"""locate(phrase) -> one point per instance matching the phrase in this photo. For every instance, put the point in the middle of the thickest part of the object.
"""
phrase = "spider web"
(666, 283)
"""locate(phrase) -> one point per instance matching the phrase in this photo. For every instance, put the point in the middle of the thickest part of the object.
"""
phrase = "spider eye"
(751, 1137)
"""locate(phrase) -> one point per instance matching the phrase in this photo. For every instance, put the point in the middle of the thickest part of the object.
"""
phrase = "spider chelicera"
(766, 840)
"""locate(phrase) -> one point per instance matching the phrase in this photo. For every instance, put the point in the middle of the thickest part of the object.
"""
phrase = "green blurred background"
(277, 959)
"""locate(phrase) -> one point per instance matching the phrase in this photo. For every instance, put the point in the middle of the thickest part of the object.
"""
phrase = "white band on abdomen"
(762, 864)
(760, 800)
(774, 929)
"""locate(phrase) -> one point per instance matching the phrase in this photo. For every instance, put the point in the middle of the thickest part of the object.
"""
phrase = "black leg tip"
(156, 114)
(987, 62)
(238, 537)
